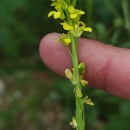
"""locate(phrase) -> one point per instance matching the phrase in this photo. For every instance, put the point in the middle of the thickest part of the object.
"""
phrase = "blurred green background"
(34, 98)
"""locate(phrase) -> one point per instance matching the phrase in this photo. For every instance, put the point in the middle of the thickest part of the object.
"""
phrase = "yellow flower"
(56, 14)
(59, 13)
(83, 27)
(66, 26)
(56, 5)
(79, 28)
(74, 13)
(65, 39)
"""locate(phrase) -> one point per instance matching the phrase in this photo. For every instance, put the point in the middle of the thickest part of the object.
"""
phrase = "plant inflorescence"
(70, 17)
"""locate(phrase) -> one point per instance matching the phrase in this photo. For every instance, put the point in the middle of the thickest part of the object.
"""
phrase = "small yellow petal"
(87, 29)
(81, 12)
(51, 13)
(66, 26)
(68, 74)
(67, 41)
(71, 9)
(57, 14)
(53, 4)
(84, 82)
(74, 15)
(58, 7)
(89, 102)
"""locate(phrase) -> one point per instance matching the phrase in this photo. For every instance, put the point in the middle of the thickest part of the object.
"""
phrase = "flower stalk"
(79, 113)
(66, 11)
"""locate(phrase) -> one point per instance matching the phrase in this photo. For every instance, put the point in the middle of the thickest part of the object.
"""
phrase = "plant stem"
(79, 113)
(89, 7)
(125, 5)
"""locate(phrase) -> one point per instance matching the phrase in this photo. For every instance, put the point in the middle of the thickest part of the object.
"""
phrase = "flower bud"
(81, 67)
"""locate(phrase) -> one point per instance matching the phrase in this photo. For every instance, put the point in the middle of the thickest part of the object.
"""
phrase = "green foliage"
(9, 26)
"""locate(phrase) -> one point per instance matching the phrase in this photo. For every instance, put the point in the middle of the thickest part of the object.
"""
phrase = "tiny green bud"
(81, 67)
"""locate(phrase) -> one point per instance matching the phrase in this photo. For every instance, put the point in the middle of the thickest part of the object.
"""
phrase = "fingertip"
(104, 69)
(47, 41)
(54, 54)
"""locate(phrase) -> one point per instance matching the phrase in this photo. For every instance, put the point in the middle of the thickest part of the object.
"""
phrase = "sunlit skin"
(107, 67)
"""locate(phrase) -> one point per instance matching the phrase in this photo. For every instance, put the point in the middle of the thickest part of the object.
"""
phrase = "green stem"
(125, 5)
(89, 7)
(79, 113)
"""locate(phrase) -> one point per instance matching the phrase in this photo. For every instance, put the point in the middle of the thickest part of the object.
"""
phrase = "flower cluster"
(66, 11)
(84, 100)
(71, 75)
